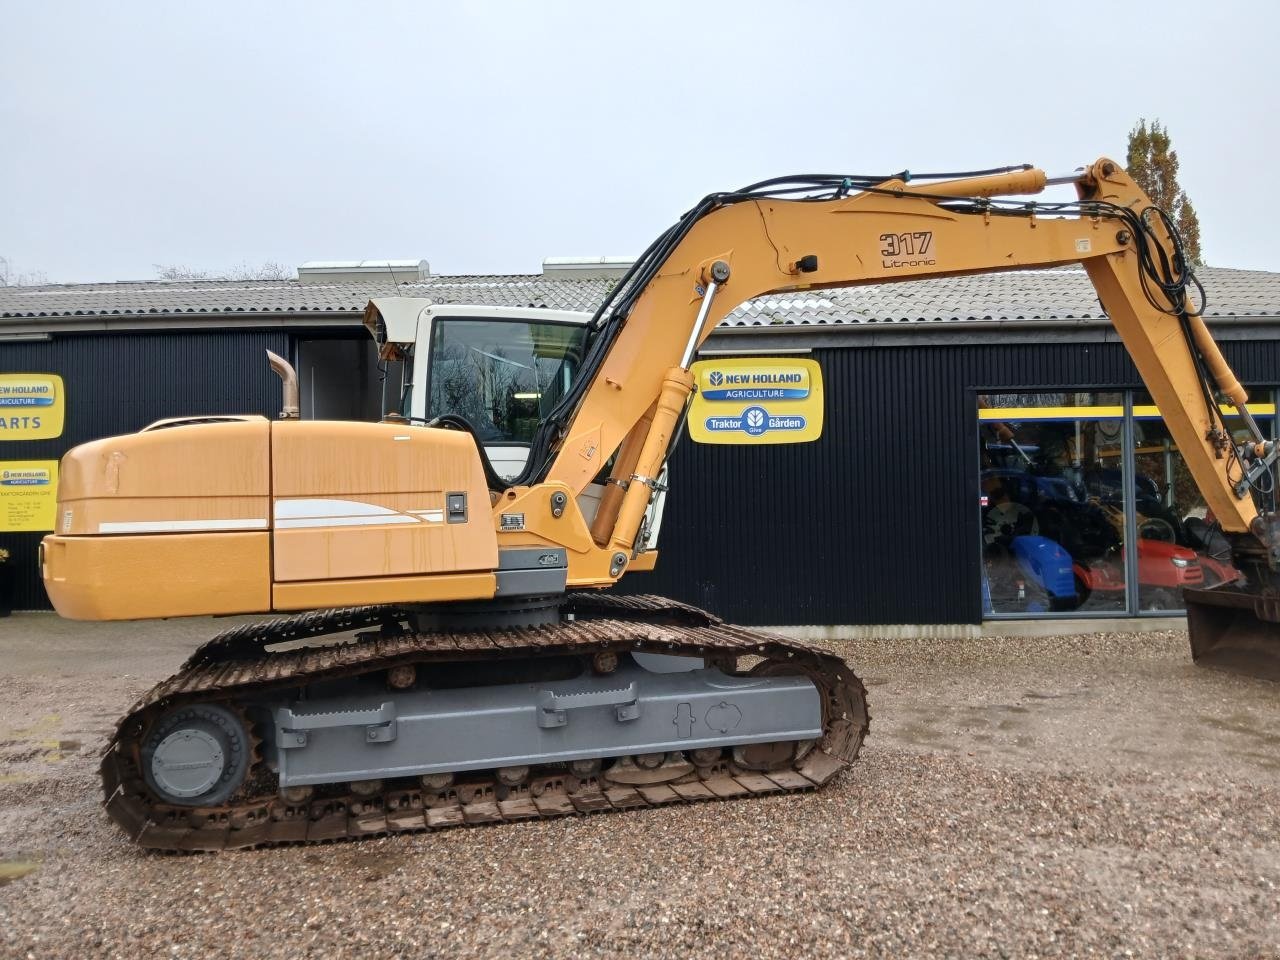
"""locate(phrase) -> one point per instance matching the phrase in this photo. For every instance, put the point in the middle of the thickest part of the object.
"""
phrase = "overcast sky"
(484, 137)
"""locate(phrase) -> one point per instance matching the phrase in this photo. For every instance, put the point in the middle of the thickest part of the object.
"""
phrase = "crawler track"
(236, 664)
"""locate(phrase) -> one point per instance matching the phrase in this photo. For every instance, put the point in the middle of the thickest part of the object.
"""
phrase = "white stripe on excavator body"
(179, 526)
(309, 507)
(322, 512)
(297, 522)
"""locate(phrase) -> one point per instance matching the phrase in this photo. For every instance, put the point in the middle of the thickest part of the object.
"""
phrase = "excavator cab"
(499, 369)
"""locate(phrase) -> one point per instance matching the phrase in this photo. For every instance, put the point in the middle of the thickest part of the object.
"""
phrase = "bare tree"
(268, 270)
(10, 278)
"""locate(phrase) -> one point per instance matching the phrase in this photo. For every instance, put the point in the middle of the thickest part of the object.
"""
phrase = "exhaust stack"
(289, 409)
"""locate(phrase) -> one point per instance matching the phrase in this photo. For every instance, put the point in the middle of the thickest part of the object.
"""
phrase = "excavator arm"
(746, 245)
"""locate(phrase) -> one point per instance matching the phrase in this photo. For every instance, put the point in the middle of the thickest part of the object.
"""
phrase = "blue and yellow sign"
(31, 406)
(756, 400)
(28, 495)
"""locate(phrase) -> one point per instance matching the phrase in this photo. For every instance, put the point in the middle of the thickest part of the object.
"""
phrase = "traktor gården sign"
(756, 400)
(31, 406)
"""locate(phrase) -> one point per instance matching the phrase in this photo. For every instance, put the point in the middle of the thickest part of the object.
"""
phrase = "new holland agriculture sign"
(31, 406)
(28, 495)
(756, 400)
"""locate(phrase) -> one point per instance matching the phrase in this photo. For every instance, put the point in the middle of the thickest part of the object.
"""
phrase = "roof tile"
(1063, 293)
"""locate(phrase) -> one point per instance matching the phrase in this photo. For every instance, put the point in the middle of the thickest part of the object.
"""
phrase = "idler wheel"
(196, 756)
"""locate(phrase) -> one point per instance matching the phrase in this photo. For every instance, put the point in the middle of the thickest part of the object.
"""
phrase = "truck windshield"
(503, 376)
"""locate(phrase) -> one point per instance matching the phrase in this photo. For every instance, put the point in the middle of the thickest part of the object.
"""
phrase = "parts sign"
(756, 400)
(31, 406)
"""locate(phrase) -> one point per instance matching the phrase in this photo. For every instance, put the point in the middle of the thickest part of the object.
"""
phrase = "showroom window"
(1067, 481)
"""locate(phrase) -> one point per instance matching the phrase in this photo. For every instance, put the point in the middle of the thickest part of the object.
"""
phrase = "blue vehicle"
(1032, 576)
(1023, 572)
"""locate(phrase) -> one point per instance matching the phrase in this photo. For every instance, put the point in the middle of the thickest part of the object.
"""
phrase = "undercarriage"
(273, 733)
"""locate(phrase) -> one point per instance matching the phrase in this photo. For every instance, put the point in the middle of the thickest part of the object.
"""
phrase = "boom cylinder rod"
(1078, 175)
(686, 358)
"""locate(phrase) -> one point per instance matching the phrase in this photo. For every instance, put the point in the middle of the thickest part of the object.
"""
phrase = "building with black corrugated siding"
(978, 431)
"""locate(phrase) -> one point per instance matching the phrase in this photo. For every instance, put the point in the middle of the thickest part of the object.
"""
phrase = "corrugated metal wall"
(877, 522)
(119, 382)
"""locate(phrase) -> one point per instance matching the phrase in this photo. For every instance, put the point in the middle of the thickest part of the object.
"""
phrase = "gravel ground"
(1062, 796)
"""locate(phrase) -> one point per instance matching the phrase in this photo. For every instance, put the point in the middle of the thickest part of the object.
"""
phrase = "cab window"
(502, 376)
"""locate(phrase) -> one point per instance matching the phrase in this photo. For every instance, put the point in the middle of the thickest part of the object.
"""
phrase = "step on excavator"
(443, 650)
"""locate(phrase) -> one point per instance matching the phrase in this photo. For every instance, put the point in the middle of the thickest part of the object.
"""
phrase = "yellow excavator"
(444, 652)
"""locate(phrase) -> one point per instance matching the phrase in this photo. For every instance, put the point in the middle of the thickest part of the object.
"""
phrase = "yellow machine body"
(250, 515)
